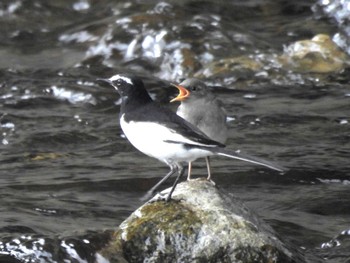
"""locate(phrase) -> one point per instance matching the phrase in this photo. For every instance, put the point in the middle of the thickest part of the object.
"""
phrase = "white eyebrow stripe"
(126, 79)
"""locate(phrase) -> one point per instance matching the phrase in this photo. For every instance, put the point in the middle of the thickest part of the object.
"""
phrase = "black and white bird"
(160, 133)
(200, 107)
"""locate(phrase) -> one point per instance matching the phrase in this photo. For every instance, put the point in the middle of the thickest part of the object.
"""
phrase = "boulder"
(200, 224)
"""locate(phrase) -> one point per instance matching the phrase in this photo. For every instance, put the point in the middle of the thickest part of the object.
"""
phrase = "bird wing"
(186, 133)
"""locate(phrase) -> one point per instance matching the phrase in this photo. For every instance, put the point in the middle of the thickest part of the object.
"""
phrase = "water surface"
(67, 171)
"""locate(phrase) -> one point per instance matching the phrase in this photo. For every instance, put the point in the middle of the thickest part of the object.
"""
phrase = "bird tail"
(248, 158)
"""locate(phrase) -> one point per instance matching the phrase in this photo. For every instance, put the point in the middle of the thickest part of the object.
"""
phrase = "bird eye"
(193, 88)
(118, 82)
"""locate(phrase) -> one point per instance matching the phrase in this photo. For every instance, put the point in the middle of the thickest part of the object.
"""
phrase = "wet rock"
(318, 55)
(339, 13)
(200, 224)
(228, 66)
(33, 247)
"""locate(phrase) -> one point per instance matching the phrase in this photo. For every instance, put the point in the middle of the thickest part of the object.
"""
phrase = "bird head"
(127, 85)
(190, 89)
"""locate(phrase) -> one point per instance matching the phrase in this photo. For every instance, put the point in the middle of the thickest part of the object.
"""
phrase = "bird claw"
(211, 181)
(159, 197)
(190, 179)
(164, 197)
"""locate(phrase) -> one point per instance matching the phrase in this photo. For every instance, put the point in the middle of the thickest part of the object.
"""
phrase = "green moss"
(161, 228)
(167, 217)
(114, 250)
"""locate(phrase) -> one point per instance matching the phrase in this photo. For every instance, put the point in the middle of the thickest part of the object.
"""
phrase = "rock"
(238, 66)
(338, 12)
(200, 224)
(318, 55)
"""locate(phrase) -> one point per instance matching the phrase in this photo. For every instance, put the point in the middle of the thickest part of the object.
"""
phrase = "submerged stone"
(200, 224)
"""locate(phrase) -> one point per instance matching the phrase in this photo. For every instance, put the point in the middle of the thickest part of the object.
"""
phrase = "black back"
(137, 105)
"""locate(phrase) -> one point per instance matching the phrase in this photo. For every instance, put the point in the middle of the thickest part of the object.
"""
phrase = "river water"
(67, 171)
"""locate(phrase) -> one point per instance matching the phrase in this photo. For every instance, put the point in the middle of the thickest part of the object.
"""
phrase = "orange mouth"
(183, 93)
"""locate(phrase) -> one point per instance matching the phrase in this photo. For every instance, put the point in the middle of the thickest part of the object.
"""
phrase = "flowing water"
(67, 171)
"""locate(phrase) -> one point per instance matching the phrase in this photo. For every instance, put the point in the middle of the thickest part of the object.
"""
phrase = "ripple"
(11, 8)
(73, 97)
(81, 5)
(78, 37)
(65, 159)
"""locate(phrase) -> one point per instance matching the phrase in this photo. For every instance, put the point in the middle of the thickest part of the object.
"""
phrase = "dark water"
(67, 172)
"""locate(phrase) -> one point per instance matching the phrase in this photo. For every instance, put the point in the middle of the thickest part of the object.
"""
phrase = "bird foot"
(160, 197)
(190, 179)
(163, 197)
(211, 181)
(201, 178)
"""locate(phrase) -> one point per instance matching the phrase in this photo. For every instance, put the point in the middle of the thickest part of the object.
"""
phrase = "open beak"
(183, 93)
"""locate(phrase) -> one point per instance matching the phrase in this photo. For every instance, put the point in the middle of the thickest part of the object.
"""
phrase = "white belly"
(151, 139)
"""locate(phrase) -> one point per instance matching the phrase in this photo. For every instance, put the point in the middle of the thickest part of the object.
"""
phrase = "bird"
(200, 107)
(159, 132)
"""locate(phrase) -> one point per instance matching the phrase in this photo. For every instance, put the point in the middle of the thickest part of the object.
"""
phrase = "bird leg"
(189, 171)
(207, 160)
(173, 169)
(208, 168)
(180, 173)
